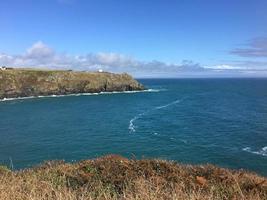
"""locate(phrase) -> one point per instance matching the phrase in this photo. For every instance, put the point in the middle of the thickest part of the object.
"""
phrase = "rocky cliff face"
(23, 83)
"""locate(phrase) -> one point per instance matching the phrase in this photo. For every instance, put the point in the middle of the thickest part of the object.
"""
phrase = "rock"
(29, 82)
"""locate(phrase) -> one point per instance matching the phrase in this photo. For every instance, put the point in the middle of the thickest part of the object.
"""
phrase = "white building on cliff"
(3, 68)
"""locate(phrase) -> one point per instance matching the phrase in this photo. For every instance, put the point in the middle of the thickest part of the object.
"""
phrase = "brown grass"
(115, 177)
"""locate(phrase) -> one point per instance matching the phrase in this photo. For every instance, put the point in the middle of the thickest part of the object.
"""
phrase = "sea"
(190, 121)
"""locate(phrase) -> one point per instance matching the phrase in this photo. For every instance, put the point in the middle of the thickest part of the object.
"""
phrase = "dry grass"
(115, 177)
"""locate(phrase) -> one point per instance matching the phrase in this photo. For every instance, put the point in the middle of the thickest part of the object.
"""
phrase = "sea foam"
(167, 105)
(80, 94)
(262, 151)
(132, 127)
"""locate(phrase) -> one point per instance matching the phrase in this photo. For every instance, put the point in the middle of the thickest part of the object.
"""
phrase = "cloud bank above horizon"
(40, 55)
(256, 47)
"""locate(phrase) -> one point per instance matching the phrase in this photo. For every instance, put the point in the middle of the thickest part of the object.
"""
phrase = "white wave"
(133, 91)
(262, 151)
(184, 141)
(80, 94)
(167, 105)
(132, 127)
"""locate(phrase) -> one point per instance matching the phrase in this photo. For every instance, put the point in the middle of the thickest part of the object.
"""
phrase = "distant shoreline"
(23, 83)
(79, 94)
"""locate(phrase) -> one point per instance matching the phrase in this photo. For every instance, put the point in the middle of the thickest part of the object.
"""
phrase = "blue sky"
(146, 38)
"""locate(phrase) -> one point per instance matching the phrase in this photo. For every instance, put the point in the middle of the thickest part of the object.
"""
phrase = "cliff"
(115, 177)
(29, 82)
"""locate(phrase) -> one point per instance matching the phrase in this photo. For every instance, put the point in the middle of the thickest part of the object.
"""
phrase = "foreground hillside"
(115, 177)
(29, 82)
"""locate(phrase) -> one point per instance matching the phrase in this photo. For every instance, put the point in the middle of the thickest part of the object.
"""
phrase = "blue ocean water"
(218, 121)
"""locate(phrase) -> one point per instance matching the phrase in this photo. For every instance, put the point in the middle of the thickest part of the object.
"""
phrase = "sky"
(145, 38)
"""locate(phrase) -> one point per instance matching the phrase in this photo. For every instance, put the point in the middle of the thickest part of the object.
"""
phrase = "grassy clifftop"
(115, 177)
(27, 82)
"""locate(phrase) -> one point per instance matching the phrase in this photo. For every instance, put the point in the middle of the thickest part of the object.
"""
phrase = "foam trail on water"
(131, 124)
(79, 94)
(262, 151)
(167, 105)
(132, 127)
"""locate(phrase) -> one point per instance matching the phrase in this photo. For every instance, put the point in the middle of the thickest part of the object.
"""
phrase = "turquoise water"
(218, 121)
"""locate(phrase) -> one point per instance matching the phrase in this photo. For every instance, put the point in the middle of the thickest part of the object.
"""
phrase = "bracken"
(116, 177)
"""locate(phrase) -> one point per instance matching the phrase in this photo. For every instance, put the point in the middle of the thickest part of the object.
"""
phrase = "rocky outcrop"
(28, 82)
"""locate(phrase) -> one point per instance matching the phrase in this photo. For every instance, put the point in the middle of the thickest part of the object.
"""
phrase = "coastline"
(23, 83)
(79, 94)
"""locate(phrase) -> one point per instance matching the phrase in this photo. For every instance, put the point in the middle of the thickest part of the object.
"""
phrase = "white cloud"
(40, 55)
(223, 67)
(39, 50)
(256, 48)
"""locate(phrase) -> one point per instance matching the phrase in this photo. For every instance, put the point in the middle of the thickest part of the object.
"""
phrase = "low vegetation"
(115, 177)
(29, 82)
